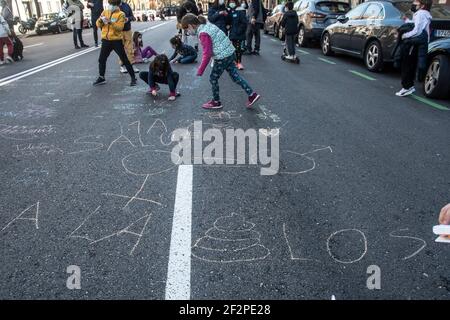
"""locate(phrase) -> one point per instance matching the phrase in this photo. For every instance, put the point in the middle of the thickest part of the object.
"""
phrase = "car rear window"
(333, 7)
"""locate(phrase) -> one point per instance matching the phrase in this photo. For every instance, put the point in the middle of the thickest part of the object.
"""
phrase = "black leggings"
(117, 47)
(171, 79)
(238, 46)
(409, 67)
(78, 33)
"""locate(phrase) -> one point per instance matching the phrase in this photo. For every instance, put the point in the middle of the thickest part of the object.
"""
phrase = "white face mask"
(232, 5)
(243, 6)
(112, 7)
(221, 2)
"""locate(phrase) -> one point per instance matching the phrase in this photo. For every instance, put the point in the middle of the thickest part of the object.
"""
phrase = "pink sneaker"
(252, 99)
(240, 66)
(173, 96)
(212, 105)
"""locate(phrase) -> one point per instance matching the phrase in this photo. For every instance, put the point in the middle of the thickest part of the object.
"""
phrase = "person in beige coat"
(76, 20)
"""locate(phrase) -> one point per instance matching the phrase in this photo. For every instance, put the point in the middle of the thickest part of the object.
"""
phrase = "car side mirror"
(342, 19)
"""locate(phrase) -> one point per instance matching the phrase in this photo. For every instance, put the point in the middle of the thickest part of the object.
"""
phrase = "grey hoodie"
(422, 19)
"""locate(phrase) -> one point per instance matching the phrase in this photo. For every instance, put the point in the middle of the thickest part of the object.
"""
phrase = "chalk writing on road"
(32, 210)
(16, 132)
(232, 239)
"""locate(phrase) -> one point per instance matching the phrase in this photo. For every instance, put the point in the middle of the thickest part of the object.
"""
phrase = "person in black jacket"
(256, 14)
(187, 53)
(217, 14)
(188, 6)
(96, 7)
(237, 20)
(290, 24)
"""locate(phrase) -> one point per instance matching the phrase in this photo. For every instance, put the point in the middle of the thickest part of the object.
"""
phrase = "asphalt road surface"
(87, 181)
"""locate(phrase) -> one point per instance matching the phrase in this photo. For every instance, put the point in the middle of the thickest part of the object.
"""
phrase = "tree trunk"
(38, 9)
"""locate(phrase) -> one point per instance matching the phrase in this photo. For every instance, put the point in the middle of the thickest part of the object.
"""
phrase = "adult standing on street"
(4, 40)
(218, 15)
(76, 7)
(188, 6)
(256, 16)
(127, 36)
(96, 7)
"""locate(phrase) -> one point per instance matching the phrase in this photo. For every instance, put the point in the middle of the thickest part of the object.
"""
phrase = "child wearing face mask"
(216, 44)
(112, 22)
(237, 21)
(217, 14)
(141, 55)
(414, 46)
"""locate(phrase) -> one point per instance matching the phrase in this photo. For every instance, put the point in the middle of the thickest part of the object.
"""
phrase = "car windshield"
(333, 7)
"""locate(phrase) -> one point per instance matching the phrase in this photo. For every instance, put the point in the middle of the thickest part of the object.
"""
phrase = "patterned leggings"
(219, 67)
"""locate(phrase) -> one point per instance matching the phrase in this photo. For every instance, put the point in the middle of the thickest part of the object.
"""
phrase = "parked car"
(52, 22)
(437, 79)
(369, 31)
(315, 15)
(272, 24)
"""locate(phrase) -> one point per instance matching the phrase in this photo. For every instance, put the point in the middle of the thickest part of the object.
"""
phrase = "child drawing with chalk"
(218, 46)
(141, 55)
(161, 72)
(187, 53)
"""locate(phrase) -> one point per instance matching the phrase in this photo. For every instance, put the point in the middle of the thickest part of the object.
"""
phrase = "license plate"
(44, 28)
(442, 33)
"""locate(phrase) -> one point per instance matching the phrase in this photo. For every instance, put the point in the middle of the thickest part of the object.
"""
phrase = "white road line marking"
(42, 67)
(33, 45)
(178, 285)
(29, 72)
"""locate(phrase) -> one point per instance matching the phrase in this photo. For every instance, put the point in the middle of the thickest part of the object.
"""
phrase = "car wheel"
(38, 33)
(302, 41)
(265, 30)
(22, 30)
(437, 79)
(325, 44)
(275, 30)
(58, 30)
(373, 57)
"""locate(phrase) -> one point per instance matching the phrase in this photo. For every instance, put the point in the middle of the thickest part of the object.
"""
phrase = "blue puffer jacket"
(215, 18)
(237, 20)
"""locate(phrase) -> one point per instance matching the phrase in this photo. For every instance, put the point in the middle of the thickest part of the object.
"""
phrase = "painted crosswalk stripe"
(178, 285)
(362, 75)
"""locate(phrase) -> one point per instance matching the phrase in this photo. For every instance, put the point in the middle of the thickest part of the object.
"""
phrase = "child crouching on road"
(217, 45)
(187, 53)
(112, 22)
(161, 72)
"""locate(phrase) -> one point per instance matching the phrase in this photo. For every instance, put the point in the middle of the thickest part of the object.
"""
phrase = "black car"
(369, 31)
(315, 15)
(51, 22)
(437, 79)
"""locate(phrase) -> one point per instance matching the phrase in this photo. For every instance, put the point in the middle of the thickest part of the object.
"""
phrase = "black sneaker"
(246, 53)
(133, 82)
(77, 47)
(84, 46)
(256, 52)
(99, 81)
(196, 47)
(96, 44)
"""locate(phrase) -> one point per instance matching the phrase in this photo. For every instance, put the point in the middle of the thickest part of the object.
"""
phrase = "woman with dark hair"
(161, 72)
(414, 46)
(218, 15)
